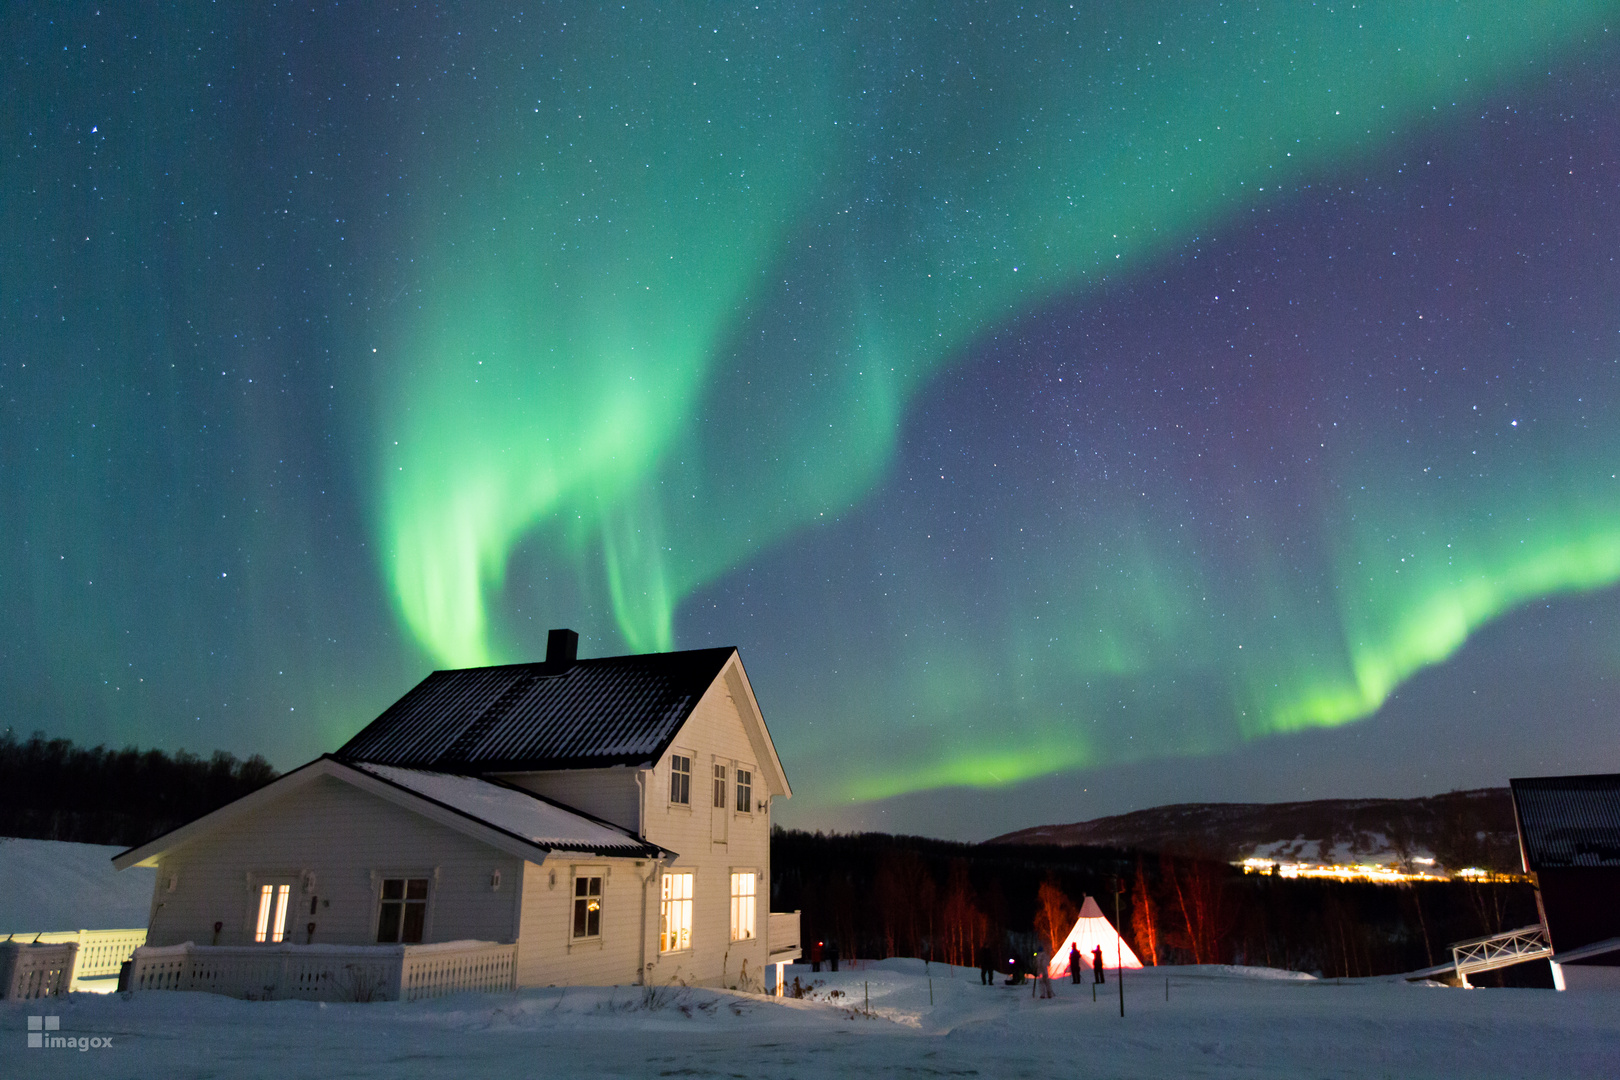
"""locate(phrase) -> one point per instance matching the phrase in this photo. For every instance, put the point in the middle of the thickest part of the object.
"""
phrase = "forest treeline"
(878, 895)
(51, 789)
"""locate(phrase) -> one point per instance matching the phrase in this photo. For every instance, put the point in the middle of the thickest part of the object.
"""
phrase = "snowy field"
(51, 885)
(1218, 1022)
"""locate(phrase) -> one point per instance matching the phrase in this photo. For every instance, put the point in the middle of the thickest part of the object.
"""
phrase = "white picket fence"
(101, 952)
(29, 971)
(92, 963)
(327, 972)
(431, 971)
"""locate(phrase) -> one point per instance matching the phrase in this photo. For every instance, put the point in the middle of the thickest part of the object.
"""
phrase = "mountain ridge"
(1457, 829)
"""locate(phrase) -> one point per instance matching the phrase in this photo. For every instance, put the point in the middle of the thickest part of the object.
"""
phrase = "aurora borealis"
(1036, 395)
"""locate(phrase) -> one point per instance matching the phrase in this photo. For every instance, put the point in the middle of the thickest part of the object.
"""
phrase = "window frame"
(745, 790)
(720, 782)
(671, 903)
(586, 875)
(423, 903)
(680, 778)
(744, 901)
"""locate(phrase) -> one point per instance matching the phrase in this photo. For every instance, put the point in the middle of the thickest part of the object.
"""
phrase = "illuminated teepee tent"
(1092, 929)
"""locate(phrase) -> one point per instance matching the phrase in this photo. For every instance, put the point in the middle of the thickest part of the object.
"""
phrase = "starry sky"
(1065, 408)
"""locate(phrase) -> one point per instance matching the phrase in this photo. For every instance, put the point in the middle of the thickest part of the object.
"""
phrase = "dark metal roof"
(1568, 820)
(619, 710)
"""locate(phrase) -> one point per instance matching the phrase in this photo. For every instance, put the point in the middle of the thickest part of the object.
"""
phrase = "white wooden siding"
(548, 955)
(348, 840)
(606, 793)
(714, 734)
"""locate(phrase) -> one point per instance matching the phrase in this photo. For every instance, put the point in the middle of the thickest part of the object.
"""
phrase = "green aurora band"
(656, 234)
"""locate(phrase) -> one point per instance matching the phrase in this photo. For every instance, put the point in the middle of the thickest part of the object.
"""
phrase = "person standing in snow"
(1075, 963)
(815, 957)
(1042, 987)
(1096, 964)
(987, 966)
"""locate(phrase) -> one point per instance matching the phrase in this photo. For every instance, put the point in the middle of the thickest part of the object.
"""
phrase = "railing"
(782, 935)
(101, 952)
(327, 972)
(1500, 950)
(431, 971)
(29, 971)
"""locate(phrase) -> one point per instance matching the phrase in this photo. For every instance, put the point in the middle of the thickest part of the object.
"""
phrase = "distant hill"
(49, 885)
(1457, 830)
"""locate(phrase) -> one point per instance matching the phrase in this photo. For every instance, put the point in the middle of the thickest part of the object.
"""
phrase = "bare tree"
(1145, 918)
(1195, 894)
(905, 901)
(964, 926)
(1054, 915)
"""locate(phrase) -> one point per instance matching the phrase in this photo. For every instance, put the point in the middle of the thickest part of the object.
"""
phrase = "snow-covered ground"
(51, 885)
(1218, 1022)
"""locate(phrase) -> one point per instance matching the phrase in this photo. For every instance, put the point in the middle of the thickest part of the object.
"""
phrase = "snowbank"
(1217, 1022)
(52, 885)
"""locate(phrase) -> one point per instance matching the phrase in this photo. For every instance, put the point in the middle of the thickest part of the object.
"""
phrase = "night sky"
(1064, 409)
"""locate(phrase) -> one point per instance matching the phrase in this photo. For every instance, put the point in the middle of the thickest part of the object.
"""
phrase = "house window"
(404, 910)
(587, 907)
(272, 924)
(680, 779)
(720, 787)
(745, 791)
(742, 905)
(675, 915)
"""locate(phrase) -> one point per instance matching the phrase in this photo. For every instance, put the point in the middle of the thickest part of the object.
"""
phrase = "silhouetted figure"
(1015, 971)
(815, 957)
(1076, 965)
(1043, 976)
(1096, 964)
(832, 955)
(987, 966)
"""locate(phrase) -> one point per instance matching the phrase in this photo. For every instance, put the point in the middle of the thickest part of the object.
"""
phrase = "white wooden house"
(599, 821)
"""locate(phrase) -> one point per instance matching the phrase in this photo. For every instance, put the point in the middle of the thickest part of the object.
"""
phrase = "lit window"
(675, 915)
(720, 787)
(680, 779)
(587, 907)
(404, 910)
(742, 905)
(272, 926)
(745, 791)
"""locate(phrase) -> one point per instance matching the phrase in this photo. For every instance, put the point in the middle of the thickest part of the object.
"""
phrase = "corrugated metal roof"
(1569, 820)
(619, 710)
(512, 810)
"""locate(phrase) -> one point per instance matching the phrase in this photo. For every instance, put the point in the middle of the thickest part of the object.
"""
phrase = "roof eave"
(148, 853)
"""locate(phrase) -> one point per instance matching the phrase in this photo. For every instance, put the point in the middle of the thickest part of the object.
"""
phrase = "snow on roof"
(1569, 820)
(52, 885)
(512, 810)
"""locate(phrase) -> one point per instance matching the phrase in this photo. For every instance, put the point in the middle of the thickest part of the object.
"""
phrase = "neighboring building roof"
(506, 817)
(619, 710)
(1568, 820)
(514, 810)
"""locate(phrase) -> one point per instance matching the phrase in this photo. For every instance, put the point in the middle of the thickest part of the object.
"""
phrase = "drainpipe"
(652, 873)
